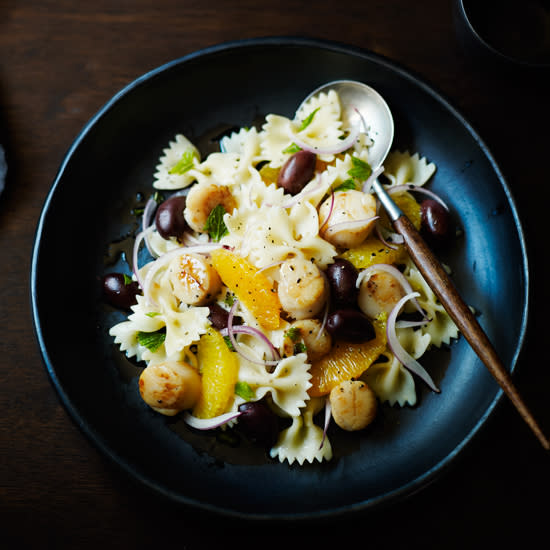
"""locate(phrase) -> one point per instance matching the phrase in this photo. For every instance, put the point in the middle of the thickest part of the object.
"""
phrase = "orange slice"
(409, 206)
(373, 251)
(346, 360)
(219, 369)
(250, 285)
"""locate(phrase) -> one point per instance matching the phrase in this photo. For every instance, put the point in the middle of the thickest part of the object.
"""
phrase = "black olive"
(169, 218)
(350, 325)
(297, 172)
(342, 276)
(436, 226)
(219, 317)
(259, 423)
(119, 291)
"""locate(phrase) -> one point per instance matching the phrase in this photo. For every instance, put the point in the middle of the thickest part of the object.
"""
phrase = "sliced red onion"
(269, 266)
(326, 308)
(344, 144)
(302, 194)
(209, 423)
(397, 349)
(417, 189)
(148, 212)
(328, 416)
(166, 258)
(367, 185)
(135, 254)
(354, 224)
(394, 272)
(231, 330)
(393, 245)
(411, 324)
(330, 210)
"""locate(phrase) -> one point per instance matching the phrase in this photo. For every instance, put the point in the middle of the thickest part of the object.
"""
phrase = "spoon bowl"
(361, 101)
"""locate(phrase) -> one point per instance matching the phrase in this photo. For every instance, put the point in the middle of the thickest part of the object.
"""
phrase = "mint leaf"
(184, 164)
(307, 121)
(229, 343)
(360, 170)
(215, 226)
(293, 333)
(346, 186)
(243, 389)
(229, 299)
(292, 148)
(127, 279)
(152, 340)
(299, 348)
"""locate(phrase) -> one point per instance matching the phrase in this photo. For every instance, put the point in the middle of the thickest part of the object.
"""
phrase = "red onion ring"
(209, 423)
(354, 224)
(135, 254)
(329, 211)
(396, 348)
(417, 189)
(328, 416)
(231, 330)
(344, 145)
(367, 185)
(392, 245)
(148, 211)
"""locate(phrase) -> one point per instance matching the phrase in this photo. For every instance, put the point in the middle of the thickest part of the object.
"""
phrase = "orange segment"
(409, 206)
(219, 369)
(251, 286)
(373, 251)
(345, 361)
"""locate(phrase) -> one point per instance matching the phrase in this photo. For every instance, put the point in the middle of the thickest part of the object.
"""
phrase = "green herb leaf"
(346, 186)
(152, 340)
(292, 148)
(184, 164)
(229, 343)
(229, 299)
(158, 197)
(293, 333)
(215, 226)
(243, 389)
(299, 348)
(127, 279)
(307, 121)
(152, 314)
(361, 170)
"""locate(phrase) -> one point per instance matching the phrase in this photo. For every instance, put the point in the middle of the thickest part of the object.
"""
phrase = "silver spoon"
(355, 98)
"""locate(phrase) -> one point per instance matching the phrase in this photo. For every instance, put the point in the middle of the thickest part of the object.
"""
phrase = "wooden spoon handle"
(460, 313)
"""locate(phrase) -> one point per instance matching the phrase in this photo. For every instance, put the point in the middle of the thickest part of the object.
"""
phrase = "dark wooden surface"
(59, 62)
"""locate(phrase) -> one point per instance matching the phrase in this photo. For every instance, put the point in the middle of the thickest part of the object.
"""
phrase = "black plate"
(86, 221)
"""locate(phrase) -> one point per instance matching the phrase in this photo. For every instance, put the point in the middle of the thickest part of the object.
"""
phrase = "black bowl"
(87, 223)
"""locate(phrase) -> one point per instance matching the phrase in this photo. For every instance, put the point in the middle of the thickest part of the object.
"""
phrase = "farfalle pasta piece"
(276, 136)
(391, 381)
(175, 168)
(245, 143)
(183, 325)
(403, 168)
(303, 440)
(319, 121)
(268, 235)
(441, 328)
(287, 384)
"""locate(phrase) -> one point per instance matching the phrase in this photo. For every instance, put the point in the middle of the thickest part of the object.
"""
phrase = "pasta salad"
(275, 288)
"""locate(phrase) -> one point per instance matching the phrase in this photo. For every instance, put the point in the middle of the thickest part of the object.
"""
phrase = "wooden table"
(59, 62)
